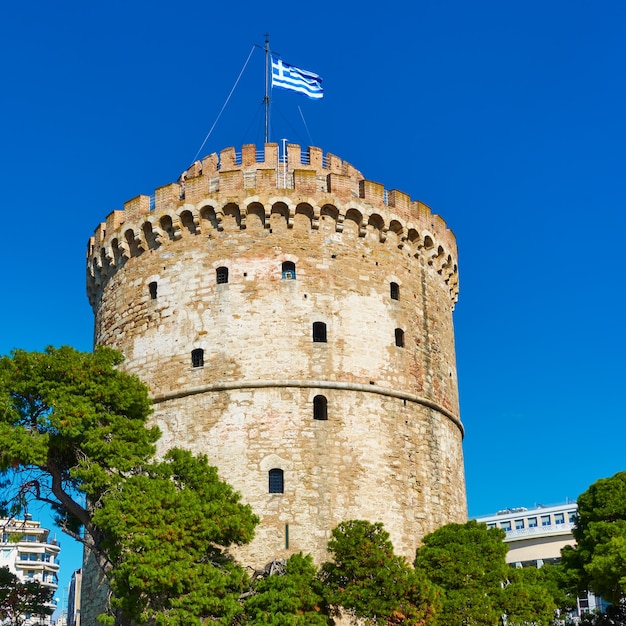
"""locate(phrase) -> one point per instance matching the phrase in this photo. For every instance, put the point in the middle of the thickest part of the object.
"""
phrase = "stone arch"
(96, 271)
(209, 217)
(255, 215)
(232, 215)
(117, 252)
(433, 255)
(376, 227)
(105, 261)
(149, 235)
(397, 229)
(352, 222)
(167, 225)
(133, 242)
(329, 218)
(413, 241)
(304, 217)
(428, 243)
(188, 221)
(279, 216)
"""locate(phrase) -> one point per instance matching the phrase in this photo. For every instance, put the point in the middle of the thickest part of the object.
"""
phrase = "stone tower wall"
(390, 449)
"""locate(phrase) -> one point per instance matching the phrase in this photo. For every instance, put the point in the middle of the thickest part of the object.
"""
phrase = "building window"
(545, 520)
(221, 275)
(153, 290)
(289, 270)
(559, 518)
(197, 357)
(319, 332)
(491, 525)
(399, 338)
(519, 524)
(532, 522)
(276, 481)
(320, 408)
(506, 526)
(572, 517)
(395, 291)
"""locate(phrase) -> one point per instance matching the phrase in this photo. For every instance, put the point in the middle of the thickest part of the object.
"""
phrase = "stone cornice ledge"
(308, 384)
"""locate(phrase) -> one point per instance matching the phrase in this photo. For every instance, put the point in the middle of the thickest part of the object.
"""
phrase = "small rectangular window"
(289, 270)
(399, 338)
(320, 408)
(394, 291)
(221, 275)
(319, 332)
(532, 522)
(197, 357)
(572, 517)
(519, 524)
(505, 526)
(545, 520)
(276, 481)
(559, 518)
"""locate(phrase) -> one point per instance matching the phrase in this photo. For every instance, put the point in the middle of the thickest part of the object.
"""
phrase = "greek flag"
(293, 78)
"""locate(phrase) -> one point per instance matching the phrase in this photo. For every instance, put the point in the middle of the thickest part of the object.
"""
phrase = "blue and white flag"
(293, 78)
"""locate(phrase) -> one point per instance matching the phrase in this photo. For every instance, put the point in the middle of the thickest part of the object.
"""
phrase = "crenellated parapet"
(233, 191)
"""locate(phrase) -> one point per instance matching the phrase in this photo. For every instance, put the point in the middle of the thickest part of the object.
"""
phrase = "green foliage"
(468, 561)
(292, 599)
(71, 424)
(367, 579)
(18, 599)
(166, 531)
(74, 429)
(598, 561)
(528, 597)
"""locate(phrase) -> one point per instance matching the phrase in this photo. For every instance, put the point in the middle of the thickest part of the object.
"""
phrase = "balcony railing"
(539, 530)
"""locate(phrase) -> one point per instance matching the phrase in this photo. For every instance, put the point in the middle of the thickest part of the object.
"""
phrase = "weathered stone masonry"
(303, 240)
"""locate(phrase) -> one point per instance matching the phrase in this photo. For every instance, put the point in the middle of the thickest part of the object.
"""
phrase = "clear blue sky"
(507, 118)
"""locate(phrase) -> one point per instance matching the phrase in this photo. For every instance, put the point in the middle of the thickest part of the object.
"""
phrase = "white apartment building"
(536, 536)
(27, 551)
(74, 598)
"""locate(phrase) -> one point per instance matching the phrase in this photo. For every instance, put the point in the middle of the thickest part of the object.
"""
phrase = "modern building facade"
(536, 536)
(293, 321)
(74, 598)
(28, 552)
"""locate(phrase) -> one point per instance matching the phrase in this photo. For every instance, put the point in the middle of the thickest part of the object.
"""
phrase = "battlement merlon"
(308, 172)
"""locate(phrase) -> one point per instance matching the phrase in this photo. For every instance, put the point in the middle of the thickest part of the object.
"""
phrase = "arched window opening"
(221, 275)
(197, 357)
(276, 481)
(289, 270)
(319, 332)
(394, 291)
(320, 408)
(153, 290)
(399, 338)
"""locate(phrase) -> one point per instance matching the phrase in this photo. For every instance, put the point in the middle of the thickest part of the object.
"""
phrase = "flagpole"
(266, 100)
